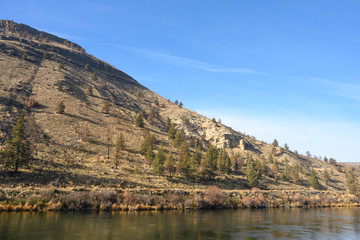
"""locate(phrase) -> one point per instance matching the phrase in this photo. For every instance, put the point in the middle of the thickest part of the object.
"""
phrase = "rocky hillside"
(39, 70)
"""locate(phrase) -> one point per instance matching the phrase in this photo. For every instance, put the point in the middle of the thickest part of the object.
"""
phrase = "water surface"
(324, 223)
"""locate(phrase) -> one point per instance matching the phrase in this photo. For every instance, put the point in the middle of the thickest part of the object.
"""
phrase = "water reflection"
(220, 224)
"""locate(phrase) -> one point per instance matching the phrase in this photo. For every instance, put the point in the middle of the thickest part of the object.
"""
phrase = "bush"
(60, 108)
(32, 103)
(215, 197)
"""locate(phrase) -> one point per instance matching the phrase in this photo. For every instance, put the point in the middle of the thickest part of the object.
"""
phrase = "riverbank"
(101, 199)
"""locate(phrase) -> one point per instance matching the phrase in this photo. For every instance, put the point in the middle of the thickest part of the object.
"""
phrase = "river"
(321, 223)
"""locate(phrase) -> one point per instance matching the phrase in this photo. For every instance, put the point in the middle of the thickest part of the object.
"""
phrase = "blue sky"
(272, 69)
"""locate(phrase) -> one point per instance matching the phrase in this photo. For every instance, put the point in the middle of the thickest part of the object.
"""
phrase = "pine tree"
(326, 177)
(223, 162)
(150, 154)
(352, 182)
(252, 175)
(179, 137)
(209, 164)
(158, 163)
(94, 77)
(275, 168)
(89, 90)
(139, 121)
(119, 147)
(59, 85)
(172, 131)
(275, 143)
(168, 125)
(195, 161)
(237, 163)
(313, 181)
(295, 176)
(170, 164)
(17, 151)
(149, 142)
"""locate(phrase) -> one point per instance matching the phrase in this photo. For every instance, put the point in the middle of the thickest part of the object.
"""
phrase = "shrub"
(60, 66)
(60, 108)
(59, 85)
(32, 103)
(46, 55)
(215, 197)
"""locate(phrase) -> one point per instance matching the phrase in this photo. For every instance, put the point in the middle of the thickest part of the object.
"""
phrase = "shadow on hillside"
(227, 184)
(60, 178)
(81, 118)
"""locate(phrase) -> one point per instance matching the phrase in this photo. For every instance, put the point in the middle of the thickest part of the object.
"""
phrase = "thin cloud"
(191, 63)
(341, 89)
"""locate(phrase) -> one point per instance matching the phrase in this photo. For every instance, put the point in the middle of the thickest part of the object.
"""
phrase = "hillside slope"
(72, 149)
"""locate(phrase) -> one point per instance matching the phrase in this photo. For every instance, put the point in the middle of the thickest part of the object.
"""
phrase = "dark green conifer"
(17, 151)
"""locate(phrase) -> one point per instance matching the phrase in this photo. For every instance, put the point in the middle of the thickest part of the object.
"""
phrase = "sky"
(285, 70)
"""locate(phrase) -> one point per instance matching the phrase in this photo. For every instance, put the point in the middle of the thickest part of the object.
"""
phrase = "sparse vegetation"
(59, 85)
(17, 152)
(60, 108)
(165, 164)
(106, 106)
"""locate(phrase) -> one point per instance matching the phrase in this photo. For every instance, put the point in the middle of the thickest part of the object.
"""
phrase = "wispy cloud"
(188, 62)
(340, 88)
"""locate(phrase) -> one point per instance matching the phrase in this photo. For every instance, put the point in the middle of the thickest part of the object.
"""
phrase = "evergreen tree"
(275, 168)
(172, 131)
(223, 161)
(209, 164)
(170, 164)
(168, 125)
(295, 176)
(286, 146)
(158, 163)
(59, 85)
(149, 154)
(252, 175)
(139, 121)
(89, 90)
(237, 162)
(17, 151)
(352, 182)
(180, 104)
(195, 161)
(286, 172)
(313, 181)
(275, 143)
(264, 167)
(326, 177)
(94, 77)
(179, 137)
(149, 142)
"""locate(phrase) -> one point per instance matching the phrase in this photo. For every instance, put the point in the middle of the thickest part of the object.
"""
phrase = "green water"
(326, 223)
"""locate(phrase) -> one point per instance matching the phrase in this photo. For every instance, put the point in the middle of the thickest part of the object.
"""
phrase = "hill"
(76, 149)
